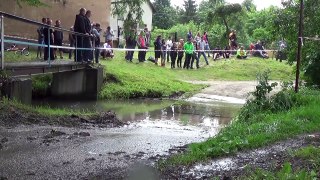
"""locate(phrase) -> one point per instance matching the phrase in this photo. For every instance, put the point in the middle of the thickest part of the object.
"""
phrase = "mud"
(12, 117)
(242, 164)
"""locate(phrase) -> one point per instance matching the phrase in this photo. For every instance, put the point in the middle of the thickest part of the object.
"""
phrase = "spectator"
(169, 46)
(202, 46)
(80, 27)
(48, 40)
(147, 36)
(58, 39)
(109, 36)
(189, 35)
(226, 53)
(259, 50)
(88, 54)
(142, 46)
(96, 29)
(233, 40)
(207, 48)
(163, 53)
(157, 49)
(195, 56)
(71, 41)
(252, 48)
(216, 53)
(180, 53)
(107, 51)
(131, 44)
(41, 38)
(281, 54)
(189, 49)
(198, 39)
(173, 55)
(241, 53)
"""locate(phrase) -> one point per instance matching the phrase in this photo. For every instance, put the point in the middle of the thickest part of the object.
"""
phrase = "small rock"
(74, 116)
(4, 140)
(31, 138)
(84, 134)
(76, 134)
(1, 146)
(90, 159)
(3, 178)
(66, 162)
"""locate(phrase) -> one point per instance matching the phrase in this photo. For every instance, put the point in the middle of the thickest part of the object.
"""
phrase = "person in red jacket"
(142, 46)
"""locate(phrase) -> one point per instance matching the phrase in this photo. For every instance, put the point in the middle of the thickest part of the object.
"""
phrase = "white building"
(146, 18)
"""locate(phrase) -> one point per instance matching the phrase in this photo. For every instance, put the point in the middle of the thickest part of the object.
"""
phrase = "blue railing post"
(2, 42)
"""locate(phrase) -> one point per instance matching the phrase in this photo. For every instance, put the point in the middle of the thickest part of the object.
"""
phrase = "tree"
(249, 5)
(225, 12)
(190, 11)
(132, 12)
(165, 15)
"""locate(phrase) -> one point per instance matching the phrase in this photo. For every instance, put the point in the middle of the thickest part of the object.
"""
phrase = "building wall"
(55, 9)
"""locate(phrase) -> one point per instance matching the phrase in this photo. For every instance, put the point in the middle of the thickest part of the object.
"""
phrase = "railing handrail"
(29, 21)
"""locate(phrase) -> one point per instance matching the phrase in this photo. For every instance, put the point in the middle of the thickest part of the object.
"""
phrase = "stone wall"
(65, 10)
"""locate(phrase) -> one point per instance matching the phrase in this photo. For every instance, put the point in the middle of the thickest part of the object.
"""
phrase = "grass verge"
(260, 129)
(45, 111)
(131, 80)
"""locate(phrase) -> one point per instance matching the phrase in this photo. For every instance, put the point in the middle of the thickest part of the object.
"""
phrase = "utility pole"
(300, 40)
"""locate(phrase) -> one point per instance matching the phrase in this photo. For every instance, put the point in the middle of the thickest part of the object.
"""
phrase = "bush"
(262, 105)
(313, 69)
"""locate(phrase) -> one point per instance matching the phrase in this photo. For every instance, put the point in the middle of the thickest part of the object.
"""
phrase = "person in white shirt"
(202, 47)
(107, 51)
(109, 36)
(169, 45)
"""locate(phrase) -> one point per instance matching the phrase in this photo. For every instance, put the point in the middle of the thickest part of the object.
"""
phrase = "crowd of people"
(85, 35)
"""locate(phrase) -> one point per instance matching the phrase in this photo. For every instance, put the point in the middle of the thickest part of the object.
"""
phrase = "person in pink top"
(142, 46)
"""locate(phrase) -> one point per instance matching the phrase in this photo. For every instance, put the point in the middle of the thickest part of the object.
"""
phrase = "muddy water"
(154, 128)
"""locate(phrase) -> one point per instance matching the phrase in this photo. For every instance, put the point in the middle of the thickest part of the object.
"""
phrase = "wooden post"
(300, 40)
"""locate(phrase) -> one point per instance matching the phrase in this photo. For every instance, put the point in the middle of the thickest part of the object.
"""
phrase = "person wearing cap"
(189, 50)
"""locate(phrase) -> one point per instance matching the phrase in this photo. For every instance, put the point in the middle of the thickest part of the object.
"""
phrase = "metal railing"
(3, 39)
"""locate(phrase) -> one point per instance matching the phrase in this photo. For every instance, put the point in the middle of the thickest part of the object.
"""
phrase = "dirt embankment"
(11, 116)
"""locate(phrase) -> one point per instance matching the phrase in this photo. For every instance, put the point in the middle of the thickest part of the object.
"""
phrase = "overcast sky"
(261, 4)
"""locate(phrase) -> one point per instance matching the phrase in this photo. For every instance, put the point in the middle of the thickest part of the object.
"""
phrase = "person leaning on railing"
(48, 39)
(80, 27)
(41, 38)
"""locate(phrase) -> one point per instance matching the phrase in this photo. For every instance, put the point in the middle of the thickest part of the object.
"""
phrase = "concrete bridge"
(70, 79)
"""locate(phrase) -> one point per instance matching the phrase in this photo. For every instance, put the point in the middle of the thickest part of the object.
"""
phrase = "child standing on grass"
(180, 53)
(163, 53)
(173, 54)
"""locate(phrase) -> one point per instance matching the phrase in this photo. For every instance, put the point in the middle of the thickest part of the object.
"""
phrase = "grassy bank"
(303, 164)
(9, 105)
(131, 80)
(300, 114)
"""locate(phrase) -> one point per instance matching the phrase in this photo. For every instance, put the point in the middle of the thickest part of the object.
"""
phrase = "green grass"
(45, 111)
(131, 80)
(305, 156)
(270, 128)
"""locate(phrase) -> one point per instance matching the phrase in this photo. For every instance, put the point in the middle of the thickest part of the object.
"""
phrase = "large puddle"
(154, 127)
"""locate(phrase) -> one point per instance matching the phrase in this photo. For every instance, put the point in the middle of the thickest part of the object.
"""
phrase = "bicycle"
(17, 50)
